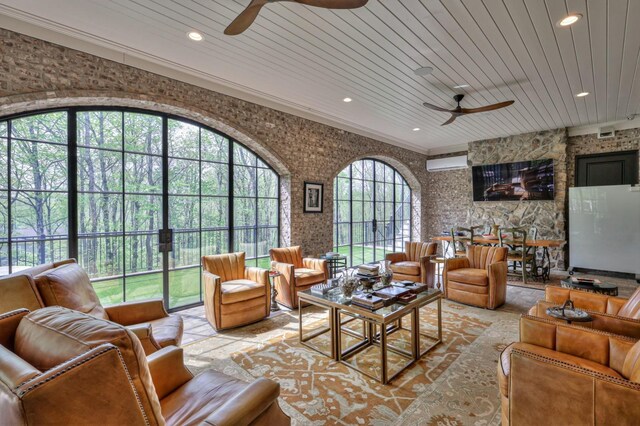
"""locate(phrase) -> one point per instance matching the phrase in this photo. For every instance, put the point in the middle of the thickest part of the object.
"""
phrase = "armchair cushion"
(19, 291)
(469, 276)
(69, 286)
(235, 291)
(406, 268)
(305, 276)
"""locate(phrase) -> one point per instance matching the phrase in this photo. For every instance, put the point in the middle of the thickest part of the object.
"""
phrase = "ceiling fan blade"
(246, 18)
(486, 108)
(436, 108)
(450, 120)
(334, 4)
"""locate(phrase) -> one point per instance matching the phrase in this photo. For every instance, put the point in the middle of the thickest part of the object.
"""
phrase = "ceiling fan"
(459, 111)
(246, 18)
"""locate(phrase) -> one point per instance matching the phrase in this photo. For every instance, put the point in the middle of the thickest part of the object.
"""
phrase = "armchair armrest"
(246, 406)
(168, 371)
(130, 313)
(9, 322)
(259, 275)
(287, 270)
(396, 257)
(497, 284)
(144, 333)
(316, 265)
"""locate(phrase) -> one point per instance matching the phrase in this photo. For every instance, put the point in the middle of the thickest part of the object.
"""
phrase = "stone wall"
(624, 140)
(36, 74)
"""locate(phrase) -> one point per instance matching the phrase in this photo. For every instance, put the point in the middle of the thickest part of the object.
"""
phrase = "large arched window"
(372, 211)
(107, 185)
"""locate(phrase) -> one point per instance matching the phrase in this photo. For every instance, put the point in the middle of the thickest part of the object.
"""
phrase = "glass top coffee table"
(375, 335)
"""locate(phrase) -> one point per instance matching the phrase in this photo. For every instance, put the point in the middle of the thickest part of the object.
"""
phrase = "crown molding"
(53, 32)
(589, 129)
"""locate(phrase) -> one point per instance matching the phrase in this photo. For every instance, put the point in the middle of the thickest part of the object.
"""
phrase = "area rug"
(454, 384)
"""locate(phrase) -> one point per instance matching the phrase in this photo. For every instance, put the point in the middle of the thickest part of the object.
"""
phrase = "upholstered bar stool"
(234, 294)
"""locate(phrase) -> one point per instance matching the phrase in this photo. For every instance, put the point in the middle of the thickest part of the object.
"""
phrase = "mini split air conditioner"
(448, 163)
(606, 132)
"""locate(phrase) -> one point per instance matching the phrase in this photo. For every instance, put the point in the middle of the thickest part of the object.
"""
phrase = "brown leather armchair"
(479, 279)
(298, 274)
(414, 264)
(234, 294)
(59, 366)
(67, 284)
(612, 314)
(560, 374)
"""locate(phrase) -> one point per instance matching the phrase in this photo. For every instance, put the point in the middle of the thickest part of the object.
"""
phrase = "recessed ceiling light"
(461, 86)
(570, 20)
(195, 36)
(417, 129)
(582, 94)
(347, 100)
(423, 71)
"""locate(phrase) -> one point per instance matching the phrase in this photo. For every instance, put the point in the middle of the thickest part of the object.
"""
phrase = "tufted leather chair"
(234, 294)
(59, 366)
(612, 314)
(414, 263)
(479, 278)
(67, 284)
(298, 274)
(561, 374)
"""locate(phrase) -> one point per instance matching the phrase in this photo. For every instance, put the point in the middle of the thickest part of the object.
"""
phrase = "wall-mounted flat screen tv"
(524, 180)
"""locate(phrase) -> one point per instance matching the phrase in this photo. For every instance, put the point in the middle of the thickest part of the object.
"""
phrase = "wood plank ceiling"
(313, 58)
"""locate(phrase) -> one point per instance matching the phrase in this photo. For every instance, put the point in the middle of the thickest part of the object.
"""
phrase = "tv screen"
(524, 180)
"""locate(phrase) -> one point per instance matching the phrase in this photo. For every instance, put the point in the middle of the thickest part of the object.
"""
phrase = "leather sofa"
(298, 273)
(479, 278)
(561, 374)
(59, 366)
(67, 284)
(414, 264)
(234, 294)
(612, 314)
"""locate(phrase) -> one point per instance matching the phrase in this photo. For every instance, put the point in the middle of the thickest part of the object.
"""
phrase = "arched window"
(372, 211)
(108, 186)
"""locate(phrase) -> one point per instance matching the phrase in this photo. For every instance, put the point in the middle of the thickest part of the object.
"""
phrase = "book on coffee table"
(391, 292)
(585, 281)
(368, 301)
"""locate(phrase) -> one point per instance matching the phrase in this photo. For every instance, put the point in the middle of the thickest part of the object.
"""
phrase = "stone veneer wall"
(36, 74)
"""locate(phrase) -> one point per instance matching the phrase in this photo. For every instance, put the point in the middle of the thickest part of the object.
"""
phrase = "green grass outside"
(184, 286)
(362, 254)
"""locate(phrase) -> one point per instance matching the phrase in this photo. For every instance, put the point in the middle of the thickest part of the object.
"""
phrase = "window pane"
(215, 242)
(38, 166)
(184, 212)
(244, 212)
(39, 214)
(4, 215)
(48, 127)
(184, 177)
(143, 287)
(143, 173)
(184, 140)
(214, 179)
(367, 169)
(243, 156)
(143, 133)
(185, 287)
(101, 257)
(215, 212)
(244, 181)
(186, 249)
(214, 147)
(267, 239)
(99, 170)
(99, 213)
(143, 213)
(356, 170)
(267, 183)
(109, 292)
(357, 191)
(3, 129)
(100, 129)
(3, 165)
(246, 241)
(29, 251)
(141, 253)
(267, 212)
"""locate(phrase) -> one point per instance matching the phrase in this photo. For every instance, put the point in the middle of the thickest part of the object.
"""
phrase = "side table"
(602, 288)
(335, 264)
(274, 292)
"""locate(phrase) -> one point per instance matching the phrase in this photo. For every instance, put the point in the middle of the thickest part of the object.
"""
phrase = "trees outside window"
(137, 172)
(372, 211)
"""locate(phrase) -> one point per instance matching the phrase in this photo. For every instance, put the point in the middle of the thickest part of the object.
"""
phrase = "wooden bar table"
(544, 244)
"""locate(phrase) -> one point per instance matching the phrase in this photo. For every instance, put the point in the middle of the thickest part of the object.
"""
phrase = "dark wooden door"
(615, 168)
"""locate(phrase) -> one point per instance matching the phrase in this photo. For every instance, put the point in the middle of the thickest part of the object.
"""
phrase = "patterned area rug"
(454, 384)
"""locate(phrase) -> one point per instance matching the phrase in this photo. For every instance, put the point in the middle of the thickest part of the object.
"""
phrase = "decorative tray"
(570, 314)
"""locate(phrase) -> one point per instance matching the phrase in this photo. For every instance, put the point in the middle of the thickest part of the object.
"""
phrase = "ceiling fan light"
(195, 36)
(461, 86)
(569, 20)
(416, 129)
(347, 100)
(582, 94)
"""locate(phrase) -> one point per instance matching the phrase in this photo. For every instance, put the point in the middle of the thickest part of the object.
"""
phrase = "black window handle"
(165, 240)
